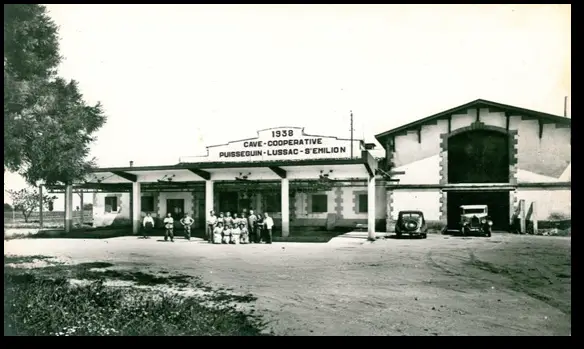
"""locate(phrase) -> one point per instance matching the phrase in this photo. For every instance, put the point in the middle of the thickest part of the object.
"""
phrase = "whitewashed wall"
(427, 201)
(549, 201)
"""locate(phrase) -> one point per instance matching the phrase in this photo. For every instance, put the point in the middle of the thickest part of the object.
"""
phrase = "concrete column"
(209, 198)
(371, 208)
(285, 207)
(136, 207)
(534, 217)
(41, 206)
(68, 208)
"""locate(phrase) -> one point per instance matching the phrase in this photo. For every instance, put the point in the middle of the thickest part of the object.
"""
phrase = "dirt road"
(504, 285)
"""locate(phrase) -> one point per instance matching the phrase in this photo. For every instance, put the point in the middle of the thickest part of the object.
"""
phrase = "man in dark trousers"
(252, 226)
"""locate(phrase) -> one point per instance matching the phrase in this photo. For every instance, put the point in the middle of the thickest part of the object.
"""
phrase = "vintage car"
(475, 219)
(411, 223)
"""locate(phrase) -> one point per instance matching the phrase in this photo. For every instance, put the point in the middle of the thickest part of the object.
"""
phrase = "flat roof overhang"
(120, 179)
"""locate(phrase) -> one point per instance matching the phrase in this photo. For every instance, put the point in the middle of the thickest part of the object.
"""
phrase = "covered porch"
(283, 177)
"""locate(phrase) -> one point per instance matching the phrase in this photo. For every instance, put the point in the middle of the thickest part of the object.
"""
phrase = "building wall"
(185, 195)
(549, 155)
(119, 217)
(342, 207)
(551, 203)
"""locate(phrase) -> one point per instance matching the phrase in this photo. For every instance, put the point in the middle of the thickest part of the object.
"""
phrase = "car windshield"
(473, 211)
(411, 215)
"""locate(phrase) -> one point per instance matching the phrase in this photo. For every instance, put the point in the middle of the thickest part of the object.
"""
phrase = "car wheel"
(424, 236)
(465, 231)
(398, 234)
(488, 233)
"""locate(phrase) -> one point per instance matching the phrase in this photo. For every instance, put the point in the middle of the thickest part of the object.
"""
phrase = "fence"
(51, 219)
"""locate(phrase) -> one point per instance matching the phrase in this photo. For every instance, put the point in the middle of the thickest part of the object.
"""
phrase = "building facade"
(478, 153)
(481, 153)
(301, 180)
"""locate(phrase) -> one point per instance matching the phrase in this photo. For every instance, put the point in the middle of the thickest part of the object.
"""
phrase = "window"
(147, 204)
(362, 203)
(319, 203)
(273, 203)
(111, 204)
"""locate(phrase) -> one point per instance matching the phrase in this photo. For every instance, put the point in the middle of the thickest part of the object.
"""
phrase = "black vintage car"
(411, 223)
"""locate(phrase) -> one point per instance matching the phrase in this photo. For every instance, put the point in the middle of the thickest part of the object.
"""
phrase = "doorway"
(228, 201)
(176, 207)
(497, 202)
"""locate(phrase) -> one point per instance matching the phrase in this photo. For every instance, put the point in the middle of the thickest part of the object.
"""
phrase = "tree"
(48, 127)
(88, 207)
(7, 207)
(27, 200)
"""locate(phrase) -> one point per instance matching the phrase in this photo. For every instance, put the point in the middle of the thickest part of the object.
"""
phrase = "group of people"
(168, 222)
(249, 228)
(222, 228)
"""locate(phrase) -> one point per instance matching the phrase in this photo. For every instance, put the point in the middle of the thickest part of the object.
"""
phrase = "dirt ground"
(443, 285)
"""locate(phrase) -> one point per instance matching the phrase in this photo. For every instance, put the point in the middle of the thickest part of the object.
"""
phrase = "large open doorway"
(478, 156)
(497, 201)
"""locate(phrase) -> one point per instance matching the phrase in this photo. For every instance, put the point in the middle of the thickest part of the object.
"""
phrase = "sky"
(176, 78)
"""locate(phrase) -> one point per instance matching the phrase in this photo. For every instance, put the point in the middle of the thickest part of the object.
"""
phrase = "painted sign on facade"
(282, 143)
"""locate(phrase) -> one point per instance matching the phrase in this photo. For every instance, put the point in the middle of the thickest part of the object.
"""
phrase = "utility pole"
(352, 134)
(566, 106)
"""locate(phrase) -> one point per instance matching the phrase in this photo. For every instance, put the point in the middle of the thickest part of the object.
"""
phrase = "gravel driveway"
(504, 285)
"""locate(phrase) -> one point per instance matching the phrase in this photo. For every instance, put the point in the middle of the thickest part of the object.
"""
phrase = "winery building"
(481, 152)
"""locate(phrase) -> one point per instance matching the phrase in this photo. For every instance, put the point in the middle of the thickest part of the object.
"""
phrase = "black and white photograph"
(287, 170)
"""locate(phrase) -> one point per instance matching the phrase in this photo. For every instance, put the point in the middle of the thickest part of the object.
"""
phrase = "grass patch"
(43, 301)
(23, 259)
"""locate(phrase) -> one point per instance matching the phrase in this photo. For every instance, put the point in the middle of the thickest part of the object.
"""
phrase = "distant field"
(54, 218)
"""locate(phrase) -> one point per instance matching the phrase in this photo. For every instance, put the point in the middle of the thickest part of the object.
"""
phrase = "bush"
(37, 306)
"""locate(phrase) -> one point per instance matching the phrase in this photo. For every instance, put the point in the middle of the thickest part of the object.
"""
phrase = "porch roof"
(115, 178)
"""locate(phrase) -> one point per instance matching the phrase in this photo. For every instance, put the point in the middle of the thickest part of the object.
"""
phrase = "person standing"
(148, 225)
(236, 219)
(260, 228)
(228, 220)
(221, 219)
(211, 222)
(169, 227)
(187, 222)
(252, 226)
(268, 225)
(243, 219)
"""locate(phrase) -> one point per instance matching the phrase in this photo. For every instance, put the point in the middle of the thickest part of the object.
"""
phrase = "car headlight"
(483, 221)
(490, 223)
(464, 223)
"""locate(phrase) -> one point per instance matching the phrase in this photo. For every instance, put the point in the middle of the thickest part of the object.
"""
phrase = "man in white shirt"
(268, 224)
(148, 225)
(211, 222)
(168, 227)
(187, 222)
